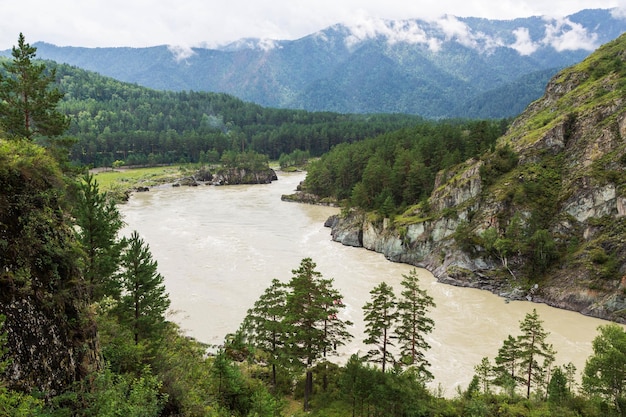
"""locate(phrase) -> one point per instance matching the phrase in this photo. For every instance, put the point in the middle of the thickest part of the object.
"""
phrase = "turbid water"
(219, 247)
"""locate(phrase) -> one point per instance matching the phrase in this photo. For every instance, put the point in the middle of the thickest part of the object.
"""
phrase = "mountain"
(543, 216)
(449, 67)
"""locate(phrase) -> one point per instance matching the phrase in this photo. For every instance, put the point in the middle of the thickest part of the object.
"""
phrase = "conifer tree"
(414, 324)
(143, 302)
(507, 363)
(380, 318)
(309, 307)
(27, 101)
(99, 223)
(532, 346)
(264, 324)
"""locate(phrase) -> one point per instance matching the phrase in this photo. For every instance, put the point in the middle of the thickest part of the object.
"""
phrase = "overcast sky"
(139, 23)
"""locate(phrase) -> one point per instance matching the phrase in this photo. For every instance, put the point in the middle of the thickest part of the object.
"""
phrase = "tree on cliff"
(143, 302)
(99, 223)
(312, 324)
(380, 318)
(27, 102)
(414, 324)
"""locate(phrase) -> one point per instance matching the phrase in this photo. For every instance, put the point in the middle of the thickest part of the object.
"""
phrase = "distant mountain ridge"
(449, 67)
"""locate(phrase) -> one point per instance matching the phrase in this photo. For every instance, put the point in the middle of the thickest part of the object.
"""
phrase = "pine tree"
(507, 363)
(264, 324)
(308, 310)
(143, 302)
(27, 101)
(99, 223)
(414, 324)
(532, 346)
(380, 318)
(484, 374)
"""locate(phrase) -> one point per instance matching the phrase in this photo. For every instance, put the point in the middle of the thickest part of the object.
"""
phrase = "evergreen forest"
(83, 323)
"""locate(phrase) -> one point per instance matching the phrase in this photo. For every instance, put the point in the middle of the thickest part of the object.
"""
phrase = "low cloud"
(524, 45)
(565, 35)
(180, 52)
(394, 31)
(456, 30)
(619, 12)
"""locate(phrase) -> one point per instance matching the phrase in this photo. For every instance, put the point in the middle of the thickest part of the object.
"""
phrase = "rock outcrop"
(566, 192)
(51, 336)
(233, 176)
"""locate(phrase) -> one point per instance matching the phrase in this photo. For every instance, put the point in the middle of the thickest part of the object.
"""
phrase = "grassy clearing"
(118, 182)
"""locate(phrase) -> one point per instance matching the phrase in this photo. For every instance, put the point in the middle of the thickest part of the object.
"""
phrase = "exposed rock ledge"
(429, 245)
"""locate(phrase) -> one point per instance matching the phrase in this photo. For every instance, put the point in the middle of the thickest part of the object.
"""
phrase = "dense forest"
(115, 121)
(395, 170)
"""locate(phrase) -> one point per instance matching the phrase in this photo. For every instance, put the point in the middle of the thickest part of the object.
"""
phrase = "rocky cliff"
(51, 337)
(233, 176)
(540, 217)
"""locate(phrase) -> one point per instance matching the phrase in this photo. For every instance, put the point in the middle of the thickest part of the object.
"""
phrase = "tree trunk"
(308, 388)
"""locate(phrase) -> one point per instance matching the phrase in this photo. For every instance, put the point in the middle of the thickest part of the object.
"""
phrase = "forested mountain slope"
(448, 67)
(116, 121)
(543, 215)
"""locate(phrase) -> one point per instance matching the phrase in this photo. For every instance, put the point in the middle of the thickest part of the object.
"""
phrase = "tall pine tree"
(27, 100)
(311, 320)
(380, 318)
(264, 324)
(414, 324)
(143, 302)
(532, 346)
(99, 223)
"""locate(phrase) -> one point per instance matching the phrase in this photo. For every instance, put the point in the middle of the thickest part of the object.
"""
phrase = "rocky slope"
(51, 335)
(542, 216)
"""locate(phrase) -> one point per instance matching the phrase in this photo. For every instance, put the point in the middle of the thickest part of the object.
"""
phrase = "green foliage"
(99, 223)
(503, 160)
(518, 362)
(397, 170)
(27, 102)
(414, 324)
(245, 160)
(296, 158)
(140, 126)
(604, 375)
(143, 300)
(123, 395)
(532, 346)
(380, 316)
(264, 324)
(368, 391)
(311, 320)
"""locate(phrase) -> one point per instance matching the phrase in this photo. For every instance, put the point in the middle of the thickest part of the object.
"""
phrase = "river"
(219, 247)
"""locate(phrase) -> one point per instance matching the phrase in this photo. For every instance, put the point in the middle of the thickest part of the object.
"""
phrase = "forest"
(395, 170)
(114, 121)
(63, 262)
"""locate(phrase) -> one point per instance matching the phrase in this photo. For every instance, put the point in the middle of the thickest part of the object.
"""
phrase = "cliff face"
(233, 176)
(51, 338)
(541, 217)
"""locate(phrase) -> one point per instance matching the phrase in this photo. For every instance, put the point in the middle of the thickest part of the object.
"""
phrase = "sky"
(208, 23)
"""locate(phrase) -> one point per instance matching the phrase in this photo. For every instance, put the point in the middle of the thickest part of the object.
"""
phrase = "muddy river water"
(219, 247)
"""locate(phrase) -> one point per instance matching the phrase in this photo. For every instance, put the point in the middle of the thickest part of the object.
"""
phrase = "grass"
(118, 182)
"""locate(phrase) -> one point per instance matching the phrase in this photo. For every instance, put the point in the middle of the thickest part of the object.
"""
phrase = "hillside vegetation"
(540, 216)
(115, 121)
